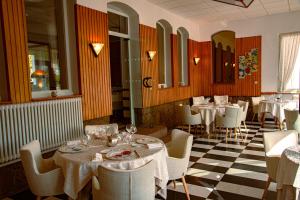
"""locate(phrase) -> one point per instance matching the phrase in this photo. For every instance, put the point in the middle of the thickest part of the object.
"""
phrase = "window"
(182, 43)
(51, 48)
(164, 31)
(289, 62)
(3, 73)
(117, 23)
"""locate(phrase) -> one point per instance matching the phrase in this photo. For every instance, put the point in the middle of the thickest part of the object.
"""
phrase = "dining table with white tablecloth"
(288, 174)
(208, 113)
(275, 108)
(79, 167)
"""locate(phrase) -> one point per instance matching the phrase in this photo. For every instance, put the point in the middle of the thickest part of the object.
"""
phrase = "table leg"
(262, 119)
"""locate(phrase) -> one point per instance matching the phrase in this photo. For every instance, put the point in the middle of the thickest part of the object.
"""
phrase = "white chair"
(292, 119)
(43, 176)
(187, 118)
(275, 143)
(221, 100)
(244, 105)
(179, 150)
(255, 105)
(231, 120)
(198, 100)
(133, 184)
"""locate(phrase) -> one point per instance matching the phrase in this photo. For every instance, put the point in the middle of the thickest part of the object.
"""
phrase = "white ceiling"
(212, 11)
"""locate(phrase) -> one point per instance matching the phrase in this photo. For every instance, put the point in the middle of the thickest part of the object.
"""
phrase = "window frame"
(183, 57)
(71, 75)
(167, 56)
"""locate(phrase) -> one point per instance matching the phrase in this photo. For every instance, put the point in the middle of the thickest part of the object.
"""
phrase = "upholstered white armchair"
(219, 100)
(255, 105)
(179, 150)
(133, 184)
(292, 119)
(244, 105)
(187, 118)
(231, 120)
(43, 177)
(275, 143)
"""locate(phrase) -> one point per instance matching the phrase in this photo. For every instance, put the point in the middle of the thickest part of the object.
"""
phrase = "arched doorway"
(125, 61)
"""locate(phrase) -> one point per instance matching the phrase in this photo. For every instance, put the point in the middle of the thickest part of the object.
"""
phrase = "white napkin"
(98, 157)
(154, 145)
(73, 142)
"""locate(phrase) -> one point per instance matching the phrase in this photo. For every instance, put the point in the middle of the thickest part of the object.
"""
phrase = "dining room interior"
(149, 99)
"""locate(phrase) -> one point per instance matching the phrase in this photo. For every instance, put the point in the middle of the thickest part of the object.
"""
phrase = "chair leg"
(185, 188)
(235, 133)
(189, 128)
(266, 189)
(174, 184)
(245, 125)
(226, 134)
(253, 116)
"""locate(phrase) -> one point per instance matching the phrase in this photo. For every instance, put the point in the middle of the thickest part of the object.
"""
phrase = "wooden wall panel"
(95, 85)
(15, 41)
(156, 96)
(250, 86)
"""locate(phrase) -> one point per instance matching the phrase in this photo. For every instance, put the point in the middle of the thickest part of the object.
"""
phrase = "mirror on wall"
(223, 56)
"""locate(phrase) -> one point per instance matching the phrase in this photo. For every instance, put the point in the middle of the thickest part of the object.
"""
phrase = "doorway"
(119, 62)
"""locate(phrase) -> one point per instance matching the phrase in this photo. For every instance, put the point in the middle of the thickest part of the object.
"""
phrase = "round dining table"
(208, 113)
(79, 166)
(288, 174)
(275, 108)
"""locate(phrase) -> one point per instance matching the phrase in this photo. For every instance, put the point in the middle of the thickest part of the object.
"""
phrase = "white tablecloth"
(208, 113)
(276, 108)
(288, 174)
(78, 168)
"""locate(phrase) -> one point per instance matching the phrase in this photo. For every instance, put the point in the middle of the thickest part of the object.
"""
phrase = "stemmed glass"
(131, 129)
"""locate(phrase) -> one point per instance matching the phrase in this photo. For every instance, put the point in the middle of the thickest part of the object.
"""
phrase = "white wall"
(269, 28)
(149, 14)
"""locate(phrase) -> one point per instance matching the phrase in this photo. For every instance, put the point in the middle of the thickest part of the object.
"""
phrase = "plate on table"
(146, 141)
(72, 148)
(120, 154)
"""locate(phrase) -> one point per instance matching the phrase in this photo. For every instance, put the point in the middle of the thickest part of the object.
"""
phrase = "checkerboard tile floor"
(233, 170)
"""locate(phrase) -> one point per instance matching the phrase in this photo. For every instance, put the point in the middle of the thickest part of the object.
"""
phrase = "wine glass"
(131, 129)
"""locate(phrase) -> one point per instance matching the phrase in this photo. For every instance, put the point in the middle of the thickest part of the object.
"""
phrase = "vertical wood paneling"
(16, 51)
(250, 86)
(156, 96)
(95, 86)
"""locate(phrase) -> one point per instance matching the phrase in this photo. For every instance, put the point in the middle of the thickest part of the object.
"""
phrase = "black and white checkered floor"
(235, 170)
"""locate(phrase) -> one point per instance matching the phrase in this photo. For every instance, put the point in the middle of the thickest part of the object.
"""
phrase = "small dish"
(72, 148)
(121, 154)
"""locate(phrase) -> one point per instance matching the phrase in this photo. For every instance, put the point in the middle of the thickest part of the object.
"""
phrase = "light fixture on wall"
(96, 47)
(196, 60)
(240, 3)
(151, 55)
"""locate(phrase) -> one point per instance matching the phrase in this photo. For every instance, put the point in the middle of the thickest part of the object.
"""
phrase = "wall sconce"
(196, 60)
(96, 47)
(151, 55)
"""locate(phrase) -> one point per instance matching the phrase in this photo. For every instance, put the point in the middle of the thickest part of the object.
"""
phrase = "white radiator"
(50, 122)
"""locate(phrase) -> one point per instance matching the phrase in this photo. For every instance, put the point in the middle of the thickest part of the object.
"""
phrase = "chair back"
(31, 157)
(275, 143)
(198, 100)
(188, 118)
(233, 117)
(90, 129)
(244, 105)
(182, 141)
(133, 184)
(221, 99)
(292, 118)
(255, 102)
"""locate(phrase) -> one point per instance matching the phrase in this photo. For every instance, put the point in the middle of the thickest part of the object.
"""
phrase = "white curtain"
(289, 47)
